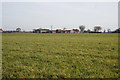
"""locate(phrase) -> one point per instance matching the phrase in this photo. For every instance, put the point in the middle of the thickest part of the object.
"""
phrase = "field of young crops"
(34, 55)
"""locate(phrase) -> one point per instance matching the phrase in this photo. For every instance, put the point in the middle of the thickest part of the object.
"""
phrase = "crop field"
(35, 55)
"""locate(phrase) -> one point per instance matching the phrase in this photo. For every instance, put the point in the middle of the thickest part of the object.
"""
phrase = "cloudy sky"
(31, 15)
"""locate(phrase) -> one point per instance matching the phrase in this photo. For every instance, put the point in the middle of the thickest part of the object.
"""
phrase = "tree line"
(97, 29)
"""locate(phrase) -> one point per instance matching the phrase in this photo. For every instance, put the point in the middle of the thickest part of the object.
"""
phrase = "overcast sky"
(60, 0)
(31, 15)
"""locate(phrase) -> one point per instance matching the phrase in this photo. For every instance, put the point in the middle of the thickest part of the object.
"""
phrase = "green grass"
(30, 55)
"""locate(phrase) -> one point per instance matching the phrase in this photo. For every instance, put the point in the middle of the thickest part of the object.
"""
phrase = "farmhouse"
(1, 30)
(41, 31)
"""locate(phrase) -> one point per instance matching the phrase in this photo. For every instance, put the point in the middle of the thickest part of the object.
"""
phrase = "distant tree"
(108, 30)
(97, 28)
(23, 30)
(64, 28)
(104, 31)
(82, 28)
(18, 29)
(88, 30)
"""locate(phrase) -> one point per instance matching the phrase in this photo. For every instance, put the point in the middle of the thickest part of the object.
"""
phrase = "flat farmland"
(35, 55)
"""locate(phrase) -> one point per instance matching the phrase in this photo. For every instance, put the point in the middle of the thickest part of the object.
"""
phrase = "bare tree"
(82, 28)
(97, 28)
(18, 29)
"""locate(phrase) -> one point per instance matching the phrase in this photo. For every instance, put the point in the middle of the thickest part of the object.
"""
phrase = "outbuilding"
(41, 31)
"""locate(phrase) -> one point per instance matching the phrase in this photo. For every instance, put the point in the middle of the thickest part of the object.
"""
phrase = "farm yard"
(35, 55)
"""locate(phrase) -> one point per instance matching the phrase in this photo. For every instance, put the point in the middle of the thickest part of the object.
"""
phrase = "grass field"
(32, 55)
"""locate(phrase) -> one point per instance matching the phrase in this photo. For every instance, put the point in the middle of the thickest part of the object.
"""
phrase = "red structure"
(1, 30)
(75, 31)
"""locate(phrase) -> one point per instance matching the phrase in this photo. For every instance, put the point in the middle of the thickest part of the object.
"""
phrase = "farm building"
(116, 31)
(67, 31)
(62, 31)
(1, 30)
(41, 31)
(58, 31)
(75, 31)
(53, 31)
(50, 31)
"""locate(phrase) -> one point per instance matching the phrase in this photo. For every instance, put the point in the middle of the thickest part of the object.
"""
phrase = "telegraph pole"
(51, 27)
